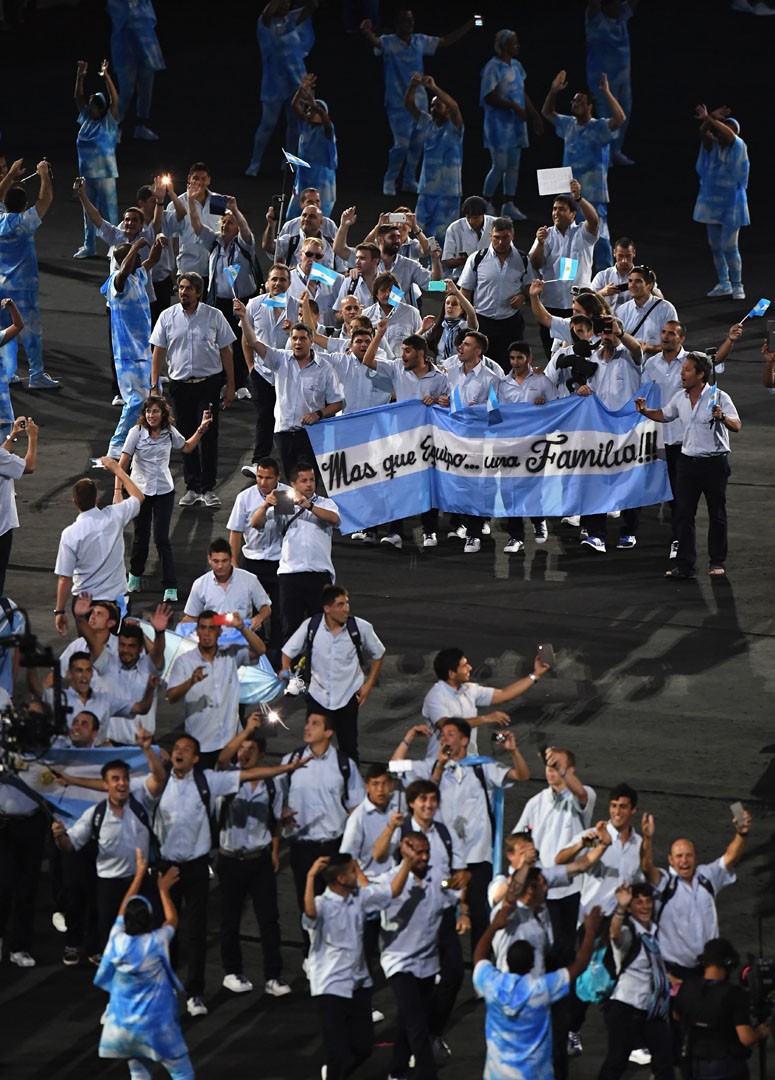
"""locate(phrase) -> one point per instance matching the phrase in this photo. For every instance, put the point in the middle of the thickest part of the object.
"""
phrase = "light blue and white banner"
(71, 801)
(570, 456)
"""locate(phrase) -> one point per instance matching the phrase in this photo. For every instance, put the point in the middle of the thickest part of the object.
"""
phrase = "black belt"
(243, 855)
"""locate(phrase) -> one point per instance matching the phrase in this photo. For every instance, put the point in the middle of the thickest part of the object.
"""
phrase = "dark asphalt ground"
(661, 685)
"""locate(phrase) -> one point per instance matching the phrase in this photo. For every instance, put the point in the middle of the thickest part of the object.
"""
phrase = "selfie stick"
(283, 197)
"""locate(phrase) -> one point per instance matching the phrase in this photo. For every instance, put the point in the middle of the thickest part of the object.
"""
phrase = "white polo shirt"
(11, 468)
(702, 436)
(300, 390)
(336, 671)
(575, 243)
(242, 592)
(260, 544)
(443, 700)
(193, 342)
(91, 550)
(316, 794)
(554, 819)
(337, 964)
(120, 834)
(667, 376)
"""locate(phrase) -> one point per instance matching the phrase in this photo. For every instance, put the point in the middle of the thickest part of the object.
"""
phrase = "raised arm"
(548, 110)
(248, 333)
(89, 208)
(713, 122)
(130, 486)
(591, 219)
(128, 264)
(647, 864)
(539, 311)
(80, 74)
(584, 955)
(456, 35)
(17, 322)
(348, 218)
(618, 115)
(368, 33)
(650, 414)
(111, 88)
(46, 191)
(455, 114)
(734, 334)
(411, 92)
(734, 852)
(370, 356)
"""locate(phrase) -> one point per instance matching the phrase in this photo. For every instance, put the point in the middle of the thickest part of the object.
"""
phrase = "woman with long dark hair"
(148, 447)
(141, 1022)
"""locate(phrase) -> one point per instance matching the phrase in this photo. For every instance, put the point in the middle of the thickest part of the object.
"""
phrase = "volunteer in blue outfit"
(587, 149)
(441, 182)
(141, 1022)
(506, 109)
(19, 263)
(137, 57)
(317, 145)
(96, 144)
(608, 49)
(722, 203)
(402, 54)
(518, 1025)
(284, 38)
(126, 292)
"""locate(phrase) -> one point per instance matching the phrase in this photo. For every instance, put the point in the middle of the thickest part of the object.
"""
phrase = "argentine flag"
(293, 160)
(569, 268)
(281, 300)
(396, 296)
(319, 272)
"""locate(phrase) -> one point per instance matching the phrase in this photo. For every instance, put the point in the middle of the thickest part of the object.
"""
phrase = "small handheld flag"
(455, 400)
(293, 160)
(759, 308)
(280, 300)
(232, 273)
(493, 407)
(319, 272)
(569, 268)
(396, 296)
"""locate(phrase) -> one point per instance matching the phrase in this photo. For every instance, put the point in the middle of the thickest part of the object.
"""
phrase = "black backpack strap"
(137, 808)
(666, 896)
(355, 634)
(643, 317)
(312, 629)
(344, 769)
(293, 243)
(446, 839)
(97, 819)
(353, 285)
(271, 791)
(479, 774)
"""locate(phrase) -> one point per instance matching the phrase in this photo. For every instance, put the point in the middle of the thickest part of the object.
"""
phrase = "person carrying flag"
(565, 239)
(707, 415)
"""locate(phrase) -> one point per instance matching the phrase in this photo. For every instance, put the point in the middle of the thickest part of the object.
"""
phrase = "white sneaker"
(249, 470)
(211, 500)
(573, 519)
(242, 394)
(472, 545)
(117, 400)
(514, 546)
(22, 959)
(394, 540)
(640, 1056)
(461, 532)
(429, 540)
(277, 987)
(673, 550)
(238, 984)
(595, 543)
(134, 584)
(614, 514)
(486, 528)
(541, 533)
(59, 922)
(191, 498)
(722, 289)
(376, 1016)
(738, 292)
(196, 1007)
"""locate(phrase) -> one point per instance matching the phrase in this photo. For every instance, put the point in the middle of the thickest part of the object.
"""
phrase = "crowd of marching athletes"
(389, 877)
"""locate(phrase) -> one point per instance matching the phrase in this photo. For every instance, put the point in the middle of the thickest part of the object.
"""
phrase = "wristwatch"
(59, 611)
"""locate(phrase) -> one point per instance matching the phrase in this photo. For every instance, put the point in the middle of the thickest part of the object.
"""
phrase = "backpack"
(672, 888)
(223, 817)
(305, 664)
(596, 983)
(137, 808)
(344, 768)
(481, 254)
(204, 794)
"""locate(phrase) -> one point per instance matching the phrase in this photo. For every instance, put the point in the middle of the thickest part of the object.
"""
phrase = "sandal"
(717, 571)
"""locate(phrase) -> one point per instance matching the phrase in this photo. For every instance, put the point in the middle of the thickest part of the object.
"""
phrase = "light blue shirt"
(336, 673)
(247, 825)
(493, 283)
(608, 43)
(474, 385)
(575, 243)
(617, 379)
(535, 385)
(364, 827)
(463, 703)
(702, 436)
(518, 1026)
(409, 938)
(689, 918)
(363, 387)
(282, 56)
(410, 387)
(306, 544)
(337, 964)
(151, 458)
(120, 834)
(263, 543)
(193, 342)
(211, 706)
(300, 390)
(181, 822)
(316, 795)
(243, 593)
(667, 377)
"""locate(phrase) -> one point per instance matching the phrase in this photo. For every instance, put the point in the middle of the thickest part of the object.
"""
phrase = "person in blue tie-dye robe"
(441, 183)
(141, 1022)
(96, 144)
(722, 202)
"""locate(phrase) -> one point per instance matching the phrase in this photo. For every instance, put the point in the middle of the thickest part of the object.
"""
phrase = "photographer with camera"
(715, 1017)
